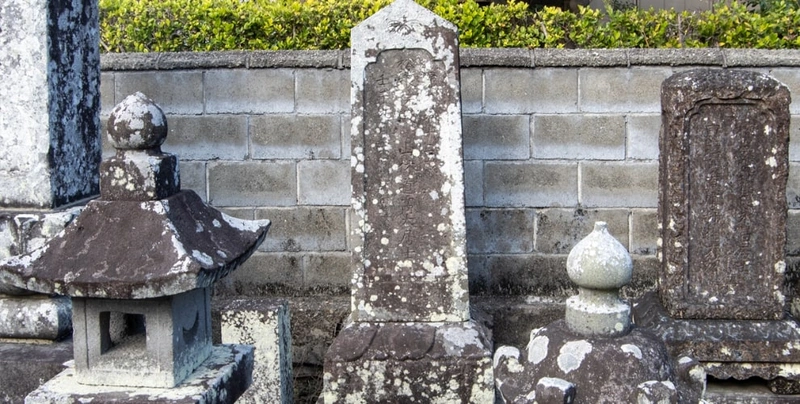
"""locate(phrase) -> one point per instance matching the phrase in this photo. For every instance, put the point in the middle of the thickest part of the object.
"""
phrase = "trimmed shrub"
(205, 25)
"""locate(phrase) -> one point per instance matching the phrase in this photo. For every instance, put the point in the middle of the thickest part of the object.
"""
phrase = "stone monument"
(595, 355)
(410, 336)
(722, 217)
(49, 129)
(138, 264)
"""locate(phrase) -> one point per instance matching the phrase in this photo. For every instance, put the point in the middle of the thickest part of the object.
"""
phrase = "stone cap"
(138, 250)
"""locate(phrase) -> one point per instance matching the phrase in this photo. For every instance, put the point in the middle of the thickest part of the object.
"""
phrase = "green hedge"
(205, 25)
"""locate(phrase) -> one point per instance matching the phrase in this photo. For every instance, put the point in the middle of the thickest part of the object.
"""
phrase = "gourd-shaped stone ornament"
(599, 265)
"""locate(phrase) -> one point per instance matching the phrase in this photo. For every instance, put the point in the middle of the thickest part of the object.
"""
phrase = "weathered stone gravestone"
(139, 263)
(49, 131)
(595, 355)
(410, 335)
(722, 213)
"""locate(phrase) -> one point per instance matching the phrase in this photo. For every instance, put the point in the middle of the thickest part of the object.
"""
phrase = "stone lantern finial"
(139, 171)
(599, 265)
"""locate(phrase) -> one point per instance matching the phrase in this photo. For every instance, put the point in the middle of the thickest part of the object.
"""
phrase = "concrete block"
(471, 91)
(233, 91)
(264, 324)
(295, 137)
(515, 316)
(304, 229)
(107, 93)
(323, 91)
(252, 183)
(240, 213)
(794, 138)
(515, 91)
(632, 185)
(346, 148)
(530, 184)
(793, 186)
(329, 273)
(572, 136)
(176, 92)
(558, 230)
(479, 279)
(622, 90)
(642, 131)
(503, 231)
(793, 233)
(262, 275)
(207, 137)
(473, 183)
(529, 274)
(645, 276)
(315, 323)
(323, 182)
(193, 176)
(644, 231)
(497, 137)
(26, 366)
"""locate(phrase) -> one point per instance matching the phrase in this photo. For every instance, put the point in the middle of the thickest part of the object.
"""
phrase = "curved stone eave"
(137, 250)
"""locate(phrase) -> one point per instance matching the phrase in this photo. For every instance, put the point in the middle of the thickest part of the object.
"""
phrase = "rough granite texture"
(219, 380)
(722, 201)
(264, 324)
(26, 366)
(49, 121)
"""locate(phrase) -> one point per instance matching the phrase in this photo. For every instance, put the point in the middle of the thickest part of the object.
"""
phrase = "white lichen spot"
(572, 354)
(503, 353)
(384, 241)
(771, 161)
(537, 349)
(632, 350)
(780, 266)
(202, 257)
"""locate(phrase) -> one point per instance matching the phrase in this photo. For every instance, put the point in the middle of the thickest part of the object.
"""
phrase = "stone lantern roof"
(144, 237)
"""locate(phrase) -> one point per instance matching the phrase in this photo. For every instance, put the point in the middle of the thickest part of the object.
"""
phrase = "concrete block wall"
(553, 141)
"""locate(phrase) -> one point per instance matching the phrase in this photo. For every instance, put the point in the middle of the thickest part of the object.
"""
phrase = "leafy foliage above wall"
(206, 25)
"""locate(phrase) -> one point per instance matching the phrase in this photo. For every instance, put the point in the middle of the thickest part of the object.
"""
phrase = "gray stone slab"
(220, 380)
(407, 178)
(26, 366)
(36, 317)
(264, 324)
(722, 202)
(51, 150)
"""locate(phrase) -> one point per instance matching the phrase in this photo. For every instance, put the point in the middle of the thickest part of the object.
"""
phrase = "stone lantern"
(138, 264)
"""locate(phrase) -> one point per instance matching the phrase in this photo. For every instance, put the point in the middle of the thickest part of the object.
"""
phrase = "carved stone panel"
(722, 203)
(408, 187)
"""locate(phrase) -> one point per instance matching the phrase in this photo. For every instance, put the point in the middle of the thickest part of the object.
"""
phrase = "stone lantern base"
(221, 379)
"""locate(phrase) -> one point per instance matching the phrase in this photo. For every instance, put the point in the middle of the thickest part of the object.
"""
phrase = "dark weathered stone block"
(722, 202)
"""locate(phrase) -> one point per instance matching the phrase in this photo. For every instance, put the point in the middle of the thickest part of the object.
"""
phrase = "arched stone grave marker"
(722, 213)
(411, 336)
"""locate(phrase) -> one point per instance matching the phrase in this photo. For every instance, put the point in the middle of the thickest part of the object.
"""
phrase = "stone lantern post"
(138, 264)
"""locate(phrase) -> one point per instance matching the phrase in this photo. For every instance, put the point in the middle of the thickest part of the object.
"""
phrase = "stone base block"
(737, 349)
(753, 391)
(264, 324)
(409, 362)
(221, 379)
(24, 367)
(35, 316)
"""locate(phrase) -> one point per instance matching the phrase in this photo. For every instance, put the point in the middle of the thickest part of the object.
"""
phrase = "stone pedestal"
(596, 355)
(219, 380)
